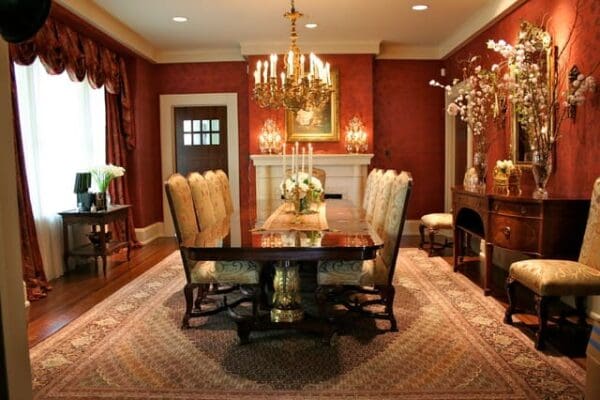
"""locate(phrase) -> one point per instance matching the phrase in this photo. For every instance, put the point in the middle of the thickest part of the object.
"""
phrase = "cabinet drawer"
(517, 209)
(515, 233)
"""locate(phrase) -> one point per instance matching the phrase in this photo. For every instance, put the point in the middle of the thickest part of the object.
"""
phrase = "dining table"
(334, 229)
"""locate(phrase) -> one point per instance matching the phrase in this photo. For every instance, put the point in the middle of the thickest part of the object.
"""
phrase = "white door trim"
(168, 102)
(450, 152)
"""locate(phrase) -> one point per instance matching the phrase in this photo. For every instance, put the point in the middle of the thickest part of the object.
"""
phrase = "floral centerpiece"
(102, 176)
(531, 90)
(302, 190)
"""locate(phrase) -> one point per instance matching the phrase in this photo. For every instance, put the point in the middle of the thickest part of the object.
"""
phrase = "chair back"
(226, 189)
(394, 220)
(590, 249)
(368, 188)
(320, 174)
(373, 194)
(382, 200)
(205, 212)
(181, 205)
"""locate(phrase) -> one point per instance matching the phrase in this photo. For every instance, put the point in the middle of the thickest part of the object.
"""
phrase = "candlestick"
(310, 162)
(293, 162)
(303, 152)
(283, 163)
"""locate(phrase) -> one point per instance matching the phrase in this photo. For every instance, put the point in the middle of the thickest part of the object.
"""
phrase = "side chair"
(369, 277)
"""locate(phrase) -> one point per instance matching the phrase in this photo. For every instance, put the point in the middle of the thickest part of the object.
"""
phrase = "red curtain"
(61, 49)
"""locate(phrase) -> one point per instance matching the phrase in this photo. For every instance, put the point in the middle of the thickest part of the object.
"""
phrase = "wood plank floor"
(84, 287)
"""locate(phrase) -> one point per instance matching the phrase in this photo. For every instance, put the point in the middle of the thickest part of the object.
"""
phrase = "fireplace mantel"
(346, 176)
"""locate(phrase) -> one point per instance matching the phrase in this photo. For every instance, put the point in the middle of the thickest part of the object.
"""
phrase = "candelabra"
(356, 137)
(269, 139)
(298, 88)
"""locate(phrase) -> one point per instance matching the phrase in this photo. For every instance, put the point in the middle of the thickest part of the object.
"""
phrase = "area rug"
(451, 344)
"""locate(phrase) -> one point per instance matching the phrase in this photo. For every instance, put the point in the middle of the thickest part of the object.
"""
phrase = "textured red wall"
(144, 168)
(409, 129)
(577, 161)
(218, 77)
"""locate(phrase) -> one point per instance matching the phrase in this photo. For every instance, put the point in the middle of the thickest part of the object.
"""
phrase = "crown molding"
(99, 18)
(393, 51)
(355, 47)
(191, 56)
(480, 21)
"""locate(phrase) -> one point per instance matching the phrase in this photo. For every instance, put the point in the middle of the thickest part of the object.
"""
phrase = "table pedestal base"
(286, 299)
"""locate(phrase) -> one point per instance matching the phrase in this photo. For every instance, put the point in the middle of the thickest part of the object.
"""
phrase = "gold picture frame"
(316, 125)
(520, 149)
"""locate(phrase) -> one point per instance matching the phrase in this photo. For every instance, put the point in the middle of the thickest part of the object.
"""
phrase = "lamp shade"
(83, 181)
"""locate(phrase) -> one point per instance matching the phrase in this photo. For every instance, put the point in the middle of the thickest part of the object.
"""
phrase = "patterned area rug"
(452, 344)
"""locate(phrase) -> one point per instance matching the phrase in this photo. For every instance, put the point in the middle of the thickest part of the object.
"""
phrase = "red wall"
(577, 161)
(409, 129)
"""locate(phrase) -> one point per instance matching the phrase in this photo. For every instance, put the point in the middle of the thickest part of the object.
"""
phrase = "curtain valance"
(61, 49)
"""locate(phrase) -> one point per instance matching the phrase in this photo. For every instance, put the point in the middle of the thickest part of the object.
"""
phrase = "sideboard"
(545, 228)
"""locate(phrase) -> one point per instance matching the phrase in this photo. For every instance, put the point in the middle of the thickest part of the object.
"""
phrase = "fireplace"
(346, 177)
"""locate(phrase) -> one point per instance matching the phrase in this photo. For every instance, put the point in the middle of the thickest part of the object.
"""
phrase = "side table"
(97, 220)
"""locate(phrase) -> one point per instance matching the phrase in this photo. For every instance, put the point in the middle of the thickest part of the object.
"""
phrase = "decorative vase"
(514, 182)
(100, 201)
(480, 165)
(302, 205)
(541, 167)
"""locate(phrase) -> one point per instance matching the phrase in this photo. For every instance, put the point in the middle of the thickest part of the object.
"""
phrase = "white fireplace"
(346, 175)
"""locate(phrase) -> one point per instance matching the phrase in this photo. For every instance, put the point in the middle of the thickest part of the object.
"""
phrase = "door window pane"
(196, 125)
(187, 139)
(215, 125)
(215, 138)
(205, 125)
(206, 138)
(187, 125)
(197, 139)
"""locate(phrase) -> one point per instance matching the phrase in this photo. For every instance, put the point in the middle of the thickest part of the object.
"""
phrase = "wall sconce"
(573, 74)
(356, 137)
(269, 140)
(579, 86)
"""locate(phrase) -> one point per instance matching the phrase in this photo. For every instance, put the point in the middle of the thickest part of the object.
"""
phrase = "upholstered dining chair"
(226, 190)
(201, 275)
(382, 200)
(373, 194)
(205, 212)
(218, 201)
(369, 277)
(369, 188)
(321, 175)
(551, 279)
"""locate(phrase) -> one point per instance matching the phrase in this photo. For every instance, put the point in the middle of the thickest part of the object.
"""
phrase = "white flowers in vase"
(300, 186)
(504, 167)
(104, 174)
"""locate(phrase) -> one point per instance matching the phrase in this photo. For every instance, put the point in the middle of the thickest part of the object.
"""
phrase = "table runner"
(284, 219)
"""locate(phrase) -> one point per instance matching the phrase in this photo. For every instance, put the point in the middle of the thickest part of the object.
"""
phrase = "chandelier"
(356, 137)
(302, 84)
(270, 140)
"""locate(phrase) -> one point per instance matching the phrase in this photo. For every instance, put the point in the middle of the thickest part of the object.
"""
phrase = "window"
(63, 129)
(201, 132)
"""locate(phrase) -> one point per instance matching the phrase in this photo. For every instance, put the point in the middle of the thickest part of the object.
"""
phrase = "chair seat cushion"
(358, 272)
(226, 272)
(557, 277)
(437, 220)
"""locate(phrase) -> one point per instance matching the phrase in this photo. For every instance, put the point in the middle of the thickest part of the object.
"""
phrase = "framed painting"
(316, 125)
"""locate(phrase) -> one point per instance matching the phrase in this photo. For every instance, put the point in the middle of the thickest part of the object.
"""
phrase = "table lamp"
(83, 181)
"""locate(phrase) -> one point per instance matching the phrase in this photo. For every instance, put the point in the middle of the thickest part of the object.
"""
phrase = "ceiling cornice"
(191, 56)
(107, 23)
(354, 47)
(392, 51)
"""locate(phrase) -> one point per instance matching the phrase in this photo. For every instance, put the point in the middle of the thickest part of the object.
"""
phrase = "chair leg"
(580, 306)
(431, 241)
(188, 292)
(256, 300)
(510, 292)
(389, 307)
(541, 305)
(422, 233)
(202, 289)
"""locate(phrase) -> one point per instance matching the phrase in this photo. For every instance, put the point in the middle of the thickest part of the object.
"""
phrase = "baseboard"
(149, 233)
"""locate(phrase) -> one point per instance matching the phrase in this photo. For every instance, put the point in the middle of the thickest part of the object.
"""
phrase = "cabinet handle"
(506, 232)
(523, 210)
(496, 207)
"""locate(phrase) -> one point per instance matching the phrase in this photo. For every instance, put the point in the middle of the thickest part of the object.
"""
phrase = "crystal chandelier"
(270, 140)
(296, 88)
(356, 137)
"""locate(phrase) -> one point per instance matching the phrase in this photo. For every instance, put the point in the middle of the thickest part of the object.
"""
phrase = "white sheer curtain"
(63, 130)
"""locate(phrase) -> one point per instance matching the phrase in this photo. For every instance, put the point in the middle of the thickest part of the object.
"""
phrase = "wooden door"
(460, 150)
(201, 138)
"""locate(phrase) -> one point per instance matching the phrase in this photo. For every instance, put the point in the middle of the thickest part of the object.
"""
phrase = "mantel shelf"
(318, 159)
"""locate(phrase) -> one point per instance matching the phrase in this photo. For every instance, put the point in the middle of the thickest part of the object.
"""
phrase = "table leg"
(103, 248)
(65, 228)
(286, 299)
(457, 247)
(127, 238)
(487, 275)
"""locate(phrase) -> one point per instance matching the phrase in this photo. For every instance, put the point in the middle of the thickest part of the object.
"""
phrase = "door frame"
(450, 152)
(168, 103)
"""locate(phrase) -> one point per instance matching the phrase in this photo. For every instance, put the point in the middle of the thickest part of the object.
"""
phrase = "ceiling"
(235, 28)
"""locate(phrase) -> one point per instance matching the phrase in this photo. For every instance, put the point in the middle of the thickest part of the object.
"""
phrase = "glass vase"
(302, 205)
(541, 166)
(100, 201)
(480, 165)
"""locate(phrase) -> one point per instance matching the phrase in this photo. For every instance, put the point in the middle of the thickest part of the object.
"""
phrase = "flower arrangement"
(104, 174)
(504, 167)
(302, 189)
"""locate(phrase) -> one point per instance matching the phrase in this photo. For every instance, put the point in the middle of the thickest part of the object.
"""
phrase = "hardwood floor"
(84, 287)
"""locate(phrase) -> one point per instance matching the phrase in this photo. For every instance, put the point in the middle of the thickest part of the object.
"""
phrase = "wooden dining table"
(334, 230)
